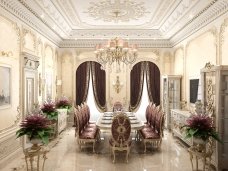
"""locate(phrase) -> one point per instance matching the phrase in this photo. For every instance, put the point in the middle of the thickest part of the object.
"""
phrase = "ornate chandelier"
(116, 50)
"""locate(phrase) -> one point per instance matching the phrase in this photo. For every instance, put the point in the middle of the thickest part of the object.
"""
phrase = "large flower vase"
(35, 142)
(200, 144)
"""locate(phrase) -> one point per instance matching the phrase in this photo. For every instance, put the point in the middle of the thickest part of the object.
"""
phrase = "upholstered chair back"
(159, 122)
(84, 115)
(121, 129)
(87, 112)
(152, 115)
(117, 106)
(148, 114)
(79, 120)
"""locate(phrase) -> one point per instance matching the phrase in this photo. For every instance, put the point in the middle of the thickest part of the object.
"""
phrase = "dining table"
(104, 122)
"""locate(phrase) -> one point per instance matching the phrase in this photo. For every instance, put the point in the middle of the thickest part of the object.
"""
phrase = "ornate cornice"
(25, 14)
(215, 9)
(179, 12)
(221, 38)
(90, 43)
(148, 38)
(112, 33)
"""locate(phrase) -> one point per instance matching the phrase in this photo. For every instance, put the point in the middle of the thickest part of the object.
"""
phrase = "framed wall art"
(5, 86)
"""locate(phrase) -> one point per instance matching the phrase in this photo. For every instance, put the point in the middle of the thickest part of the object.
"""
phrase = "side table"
(35, 157)
(194, 152)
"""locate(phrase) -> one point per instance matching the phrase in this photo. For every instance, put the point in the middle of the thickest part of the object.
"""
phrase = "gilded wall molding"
(222, 38)
(15, 28)
(28, 32)
(212, 30)
(177, 49)
(39, 43)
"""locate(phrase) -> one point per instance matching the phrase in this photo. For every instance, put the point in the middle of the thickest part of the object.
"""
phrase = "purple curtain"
(99, 85)
(82, 82)
(153, 82)
(136, 85)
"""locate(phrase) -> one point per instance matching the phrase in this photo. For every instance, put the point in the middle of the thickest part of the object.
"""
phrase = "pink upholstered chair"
(86, 133)
(121, 130)
(117, 106)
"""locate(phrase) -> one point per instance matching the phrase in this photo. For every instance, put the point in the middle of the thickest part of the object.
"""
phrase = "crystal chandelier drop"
(116, 51)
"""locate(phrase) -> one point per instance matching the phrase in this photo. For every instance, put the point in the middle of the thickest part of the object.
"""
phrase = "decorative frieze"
(30, 61)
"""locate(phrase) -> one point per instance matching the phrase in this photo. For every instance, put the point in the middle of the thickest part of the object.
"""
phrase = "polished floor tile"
(65, 155)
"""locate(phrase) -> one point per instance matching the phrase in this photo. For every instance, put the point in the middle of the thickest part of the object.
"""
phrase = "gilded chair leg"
(144, 147)
(114, 157)
(127, 155)
(94, 147)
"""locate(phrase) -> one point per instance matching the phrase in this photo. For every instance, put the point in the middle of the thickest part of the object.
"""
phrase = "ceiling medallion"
(117, 11)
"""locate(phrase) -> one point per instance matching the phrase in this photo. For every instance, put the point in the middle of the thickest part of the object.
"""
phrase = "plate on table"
(132, 118)
(106, 121)
(107, 118)
(108, 114)
(134, 121)
(131, 115)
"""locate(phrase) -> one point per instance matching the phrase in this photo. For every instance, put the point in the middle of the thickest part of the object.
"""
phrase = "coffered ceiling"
(81, 22)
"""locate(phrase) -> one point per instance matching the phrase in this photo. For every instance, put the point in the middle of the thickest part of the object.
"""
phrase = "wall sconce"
(7, 54)
(117, 85)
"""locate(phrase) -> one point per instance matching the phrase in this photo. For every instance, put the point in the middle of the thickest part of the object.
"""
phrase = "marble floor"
(66, 156)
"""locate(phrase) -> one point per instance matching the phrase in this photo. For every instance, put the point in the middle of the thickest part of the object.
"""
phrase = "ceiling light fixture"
(116, 51)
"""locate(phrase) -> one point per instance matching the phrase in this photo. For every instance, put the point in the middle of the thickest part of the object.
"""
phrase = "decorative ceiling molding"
(148, 38)
(175, 16)
(117, 11)
(17, 9)
(215, 9)
(158, 12)
(123, 33)
(50, 10)
(163, 11)
(145, 43)
(68, 12)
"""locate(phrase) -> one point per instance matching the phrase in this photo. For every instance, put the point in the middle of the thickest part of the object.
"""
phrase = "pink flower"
(48, 107)
(35, 121)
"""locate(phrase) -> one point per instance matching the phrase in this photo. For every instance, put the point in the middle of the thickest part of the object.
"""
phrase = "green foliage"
(52, 115)
(35, 126)
(203, 134)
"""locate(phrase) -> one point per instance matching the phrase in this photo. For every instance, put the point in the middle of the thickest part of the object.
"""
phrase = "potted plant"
(49, 110)
(200, 126)
(35, 126)
(63, 103)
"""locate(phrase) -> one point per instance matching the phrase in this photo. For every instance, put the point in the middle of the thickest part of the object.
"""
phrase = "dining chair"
(121, 130)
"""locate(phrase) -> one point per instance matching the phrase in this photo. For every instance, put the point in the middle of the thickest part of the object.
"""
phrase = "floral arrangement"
(35, 126)
(200, 126)
(49, 110)
(63, 103)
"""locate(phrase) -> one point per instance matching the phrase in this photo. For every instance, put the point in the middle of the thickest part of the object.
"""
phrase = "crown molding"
(26, 15)
(111, 33)
(91, 43)
(88, 38)
(210, 13)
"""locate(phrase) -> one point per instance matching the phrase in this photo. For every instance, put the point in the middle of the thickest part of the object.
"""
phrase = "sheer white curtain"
(144, 103)
(94, 113)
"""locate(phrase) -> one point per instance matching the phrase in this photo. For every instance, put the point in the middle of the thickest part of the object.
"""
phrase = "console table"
(35, 158)
(178, 119)
(62, 120)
